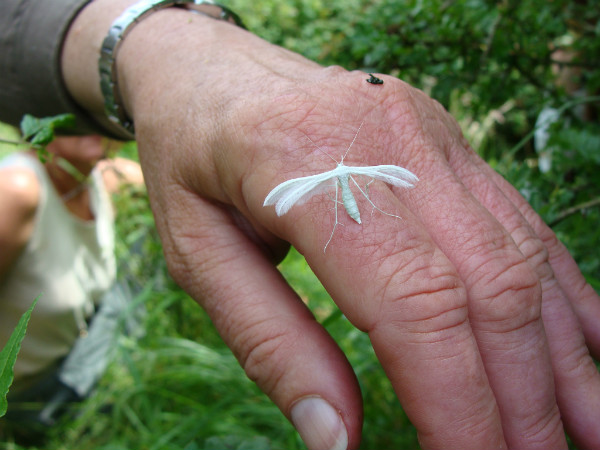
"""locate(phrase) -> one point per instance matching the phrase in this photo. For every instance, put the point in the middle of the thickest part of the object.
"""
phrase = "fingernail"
(320, 426)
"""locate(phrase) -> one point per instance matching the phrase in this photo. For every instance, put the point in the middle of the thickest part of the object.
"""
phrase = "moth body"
(348, 198)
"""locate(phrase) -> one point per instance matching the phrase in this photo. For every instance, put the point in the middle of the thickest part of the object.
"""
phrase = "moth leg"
(334, 200)
(367, 193)
(336, 217)
(369, 200)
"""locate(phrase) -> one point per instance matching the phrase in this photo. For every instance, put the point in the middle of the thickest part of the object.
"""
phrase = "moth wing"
(297, 190)
(394, 175)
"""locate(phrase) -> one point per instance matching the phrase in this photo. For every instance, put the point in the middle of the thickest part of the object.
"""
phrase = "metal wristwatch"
(113, 105)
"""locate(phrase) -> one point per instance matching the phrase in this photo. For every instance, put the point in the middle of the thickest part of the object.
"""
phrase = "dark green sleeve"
(31, 37)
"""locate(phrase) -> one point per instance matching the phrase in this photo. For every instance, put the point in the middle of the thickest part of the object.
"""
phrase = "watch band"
(119, 29)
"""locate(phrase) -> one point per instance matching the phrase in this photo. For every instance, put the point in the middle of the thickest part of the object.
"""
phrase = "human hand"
(476, 312)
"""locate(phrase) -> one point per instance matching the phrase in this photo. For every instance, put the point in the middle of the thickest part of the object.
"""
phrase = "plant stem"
(574, 210)
(8, 141)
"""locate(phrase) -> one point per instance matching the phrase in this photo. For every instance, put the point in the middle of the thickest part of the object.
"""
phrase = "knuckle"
(536, 253)
(506, 296)
(543, 428)
(427, 296)
(256, 356)
(574, 363)
(477, 421)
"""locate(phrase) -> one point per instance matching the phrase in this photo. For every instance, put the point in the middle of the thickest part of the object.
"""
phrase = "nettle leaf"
(8, 356)
(41, 131)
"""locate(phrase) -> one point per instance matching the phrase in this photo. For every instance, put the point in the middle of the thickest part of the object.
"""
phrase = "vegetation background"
(498, 67)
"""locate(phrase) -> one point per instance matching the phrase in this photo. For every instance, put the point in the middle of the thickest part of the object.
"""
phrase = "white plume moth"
(298, 190)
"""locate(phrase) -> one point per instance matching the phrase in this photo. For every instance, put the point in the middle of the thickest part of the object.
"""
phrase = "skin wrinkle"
(504, 323)
(528, 243)
(530, 246)
(542, 430)
(507, 276)
(493, 244)
(468, 426)
(508, 292)
(187, 246)
(201, 240)
(490, 336)
(259, 354)
(370, 249)
(557, 251)
(454, 318)
(415, 262)
(423, 310)
(293, 165)
(502, 257)
(573, 362)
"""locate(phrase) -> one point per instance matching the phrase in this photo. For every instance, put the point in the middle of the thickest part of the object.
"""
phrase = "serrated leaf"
(29, 126)
(40, 132)
(8, 356)
(63, 121)
(43, 137)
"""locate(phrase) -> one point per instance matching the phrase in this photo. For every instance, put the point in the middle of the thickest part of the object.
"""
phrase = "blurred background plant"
(521, 77)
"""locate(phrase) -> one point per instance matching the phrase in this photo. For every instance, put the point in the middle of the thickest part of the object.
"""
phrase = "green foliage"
(8, 357)
(40, 132)
(37, 134)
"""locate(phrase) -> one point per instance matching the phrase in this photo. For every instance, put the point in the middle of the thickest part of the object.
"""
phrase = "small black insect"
(374, 79)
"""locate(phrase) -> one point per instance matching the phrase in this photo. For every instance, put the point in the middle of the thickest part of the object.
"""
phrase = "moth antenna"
(351, 143)
(323, 151)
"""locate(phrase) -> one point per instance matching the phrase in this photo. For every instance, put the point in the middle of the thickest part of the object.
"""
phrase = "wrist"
(81, 49)
(210, 51)
(190, 73)
(174, 55)
(121, 27)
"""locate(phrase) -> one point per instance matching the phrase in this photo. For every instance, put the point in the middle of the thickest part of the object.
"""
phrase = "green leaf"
(29, 126)
(40, 132)
(43, 137)
(8, 356)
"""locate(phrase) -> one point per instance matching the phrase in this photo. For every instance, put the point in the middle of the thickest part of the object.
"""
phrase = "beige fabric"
(69, 262)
